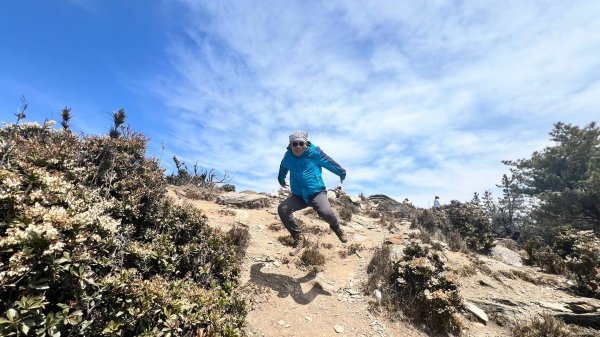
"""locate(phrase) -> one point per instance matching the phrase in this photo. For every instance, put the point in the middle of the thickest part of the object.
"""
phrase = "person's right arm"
(283, 170)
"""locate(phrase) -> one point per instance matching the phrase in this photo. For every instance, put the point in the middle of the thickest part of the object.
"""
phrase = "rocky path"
(287, 299)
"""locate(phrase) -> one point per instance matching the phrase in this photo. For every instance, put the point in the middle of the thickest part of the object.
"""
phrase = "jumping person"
(304, 161)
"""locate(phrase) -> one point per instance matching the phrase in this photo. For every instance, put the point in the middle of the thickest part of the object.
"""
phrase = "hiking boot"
(299, 244)
(340, 234)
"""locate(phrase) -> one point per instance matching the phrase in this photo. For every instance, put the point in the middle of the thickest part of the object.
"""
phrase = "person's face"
(298, 147)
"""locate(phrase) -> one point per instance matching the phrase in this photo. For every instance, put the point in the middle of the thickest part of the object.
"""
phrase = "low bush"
(465, 219)
(549, 261)
(240, 238)
(544, 325)
(312, 257)
(472, 224)
(419, 286)
(353, 248)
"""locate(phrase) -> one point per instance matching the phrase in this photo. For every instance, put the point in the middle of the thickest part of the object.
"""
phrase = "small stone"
(338, 328)
(308, 318)
(281, 322)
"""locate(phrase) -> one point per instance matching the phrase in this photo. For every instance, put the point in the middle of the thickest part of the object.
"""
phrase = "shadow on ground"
(286, 285)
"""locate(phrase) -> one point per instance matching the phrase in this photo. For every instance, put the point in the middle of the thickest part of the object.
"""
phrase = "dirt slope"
(289, 300)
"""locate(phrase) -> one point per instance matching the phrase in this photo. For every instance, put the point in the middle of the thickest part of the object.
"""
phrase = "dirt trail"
(286, 299)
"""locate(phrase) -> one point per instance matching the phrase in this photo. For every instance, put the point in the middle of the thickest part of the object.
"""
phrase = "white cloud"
(412, 98)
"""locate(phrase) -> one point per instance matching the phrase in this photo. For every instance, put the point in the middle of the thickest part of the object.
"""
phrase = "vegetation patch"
(418, 285)
(90, 244)
(544, 325)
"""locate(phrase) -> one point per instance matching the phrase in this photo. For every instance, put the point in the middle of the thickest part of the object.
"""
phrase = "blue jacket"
(305, 171)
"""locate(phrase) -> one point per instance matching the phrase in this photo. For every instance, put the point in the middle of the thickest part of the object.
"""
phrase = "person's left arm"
(330, 164)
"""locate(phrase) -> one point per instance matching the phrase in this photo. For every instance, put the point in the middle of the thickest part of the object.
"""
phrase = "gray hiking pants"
(293, 203)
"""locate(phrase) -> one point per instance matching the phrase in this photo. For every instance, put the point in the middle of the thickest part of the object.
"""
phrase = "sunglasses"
(296, 144)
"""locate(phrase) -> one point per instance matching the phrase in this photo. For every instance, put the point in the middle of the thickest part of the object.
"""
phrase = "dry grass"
(345, 213)
(286, 240)
(240, 237)
(374, 214)
(314, 229)
(544, 325)
(226, 212)
(456, 243)
(353, 248)
(275, 226)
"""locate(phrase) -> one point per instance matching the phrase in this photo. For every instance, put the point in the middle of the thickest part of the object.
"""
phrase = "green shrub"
(584, 263)
(431, 220)
(89, 244)
(472, 224)
(549, 261)
(419, 286)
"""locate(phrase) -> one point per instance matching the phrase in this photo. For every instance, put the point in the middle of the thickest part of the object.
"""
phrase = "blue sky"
(413, 98)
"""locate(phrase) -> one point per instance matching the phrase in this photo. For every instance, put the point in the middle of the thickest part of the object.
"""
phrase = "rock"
(589, 319)
(395, 240)
(485, 284)
(553, 306)
(507, 256)
(281, 322)
(581, 307)
(353, 292)
(331, 195)
(355, 200)
(475, 310)
(243, 200)
(308, 318)
(338, 328)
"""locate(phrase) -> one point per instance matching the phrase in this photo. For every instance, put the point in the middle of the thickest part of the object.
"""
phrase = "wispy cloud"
(413, 98)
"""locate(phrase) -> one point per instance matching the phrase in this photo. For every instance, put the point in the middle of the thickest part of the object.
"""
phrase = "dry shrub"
(544, 325)
(275, 226)
(380, 269)
(510, 244)
(227, 212)
(456, 243)
(227, 188)
(345, 213)
(480, 265)
(314, 229)
(353, 248)
(421, 235)
(198, 193)
(312, 257)
(286, 240)
(374, 214)
(327, 245)
(525, 276)
(240, 238)
(467, 270)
